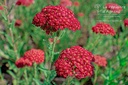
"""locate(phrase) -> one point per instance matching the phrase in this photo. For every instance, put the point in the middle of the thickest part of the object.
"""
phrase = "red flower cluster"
(31, 56)
(75, 61)
(100, 61)
(65, 3)
(126, 22)
(18, 23)
(1, 8)
(25, 2)
(76, 3)
(53, 18)
(103, 28)
(115, 8)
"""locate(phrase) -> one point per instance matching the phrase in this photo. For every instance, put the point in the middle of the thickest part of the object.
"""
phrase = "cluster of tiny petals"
(126, 22)
(65, 3)
(115, 8)
(24, 2)
(18, 23)
(57, 18)
(103, 28)
(75, 61)
(39, 19)
(1, 8)
(35, 55)
(30, 57)
(76, 3)
(100, 61)
(23, 62)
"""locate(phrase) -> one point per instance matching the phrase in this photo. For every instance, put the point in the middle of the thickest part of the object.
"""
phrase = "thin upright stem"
(95, 75)
(10, 29)
(26, 76)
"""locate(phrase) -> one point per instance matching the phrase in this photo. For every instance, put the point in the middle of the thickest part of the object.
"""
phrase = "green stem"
(96, 74)
(35, 70)
(25, 76)
(96, 43)
(52, 53)
(15, 81)
(68, 81)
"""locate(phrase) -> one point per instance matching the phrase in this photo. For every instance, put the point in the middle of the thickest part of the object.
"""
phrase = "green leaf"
(52, 75)
(11, 73)
(9, 39)
(3, 15)
(20, 46)
(123, 62)
(2, 54)
(46, 83)
(37, 81)
(11, 53)
(127, 43)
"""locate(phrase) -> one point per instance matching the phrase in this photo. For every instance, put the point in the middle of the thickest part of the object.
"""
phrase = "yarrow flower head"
(115, 8)
(65, 3)
(30, 57)
(39, 19)
(76, 3)
(25, 2)
(100, 61)
(126, 22)
(54, 18)
(103, 28)
(20, 63)
(76, 62)
(1, 8)
(18, 23)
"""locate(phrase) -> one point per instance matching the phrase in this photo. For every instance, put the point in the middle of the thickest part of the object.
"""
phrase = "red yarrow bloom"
(76, 3)
(75, 62)
(24, 2)
(115, 8)
(56, 18)
(30, 57)
(1, 8)
(126, 22)
(100, 61)
(18, 23)
(39, 19)
(65, 3)
(20, 63)
(103, 28)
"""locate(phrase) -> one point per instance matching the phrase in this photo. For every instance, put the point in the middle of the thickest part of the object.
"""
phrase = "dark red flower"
(65, 3)
(1, 8)
(76, 3)
(18, 23)
(103, 28)
(57, 18)
(39, 19)
(24, 2)
(115, 8)
(23, 62)
(75, 61)
(100, 61)
(35, 55)
(126, 22)
(30, 57)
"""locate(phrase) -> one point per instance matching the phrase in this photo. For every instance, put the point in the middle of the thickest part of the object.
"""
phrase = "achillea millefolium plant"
(63, 42)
